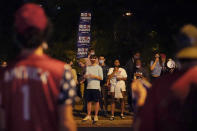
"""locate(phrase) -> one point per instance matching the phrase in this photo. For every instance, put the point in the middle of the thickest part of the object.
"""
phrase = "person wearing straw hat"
(170, 105)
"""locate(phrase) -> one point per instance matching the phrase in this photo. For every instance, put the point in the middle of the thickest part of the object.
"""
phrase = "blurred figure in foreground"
(171, 102)
(140, 85)
(140, 89)
(36, 91)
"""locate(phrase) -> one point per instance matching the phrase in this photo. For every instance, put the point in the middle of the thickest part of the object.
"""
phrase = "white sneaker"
(122, 116)
(95, 118)
(87, 118)
(111, 118)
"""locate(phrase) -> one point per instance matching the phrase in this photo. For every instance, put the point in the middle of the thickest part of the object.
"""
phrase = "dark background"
(152, 26)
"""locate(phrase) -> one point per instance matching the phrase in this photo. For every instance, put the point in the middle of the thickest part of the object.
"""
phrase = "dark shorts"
(93, 95)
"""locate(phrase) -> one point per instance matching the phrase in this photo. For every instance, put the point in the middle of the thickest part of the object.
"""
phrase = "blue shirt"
(97, 71)
(157, 70)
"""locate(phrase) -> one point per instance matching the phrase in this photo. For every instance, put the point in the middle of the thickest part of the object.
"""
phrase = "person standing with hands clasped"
(94, 74)
(116, 81)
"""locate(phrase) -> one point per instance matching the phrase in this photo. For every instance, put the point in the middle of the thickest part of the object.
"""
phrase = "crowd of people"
(37, 92)
(119, 82)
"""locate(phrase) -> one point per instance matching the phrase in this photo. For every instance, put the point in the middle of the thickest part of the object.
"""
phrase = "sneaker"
(87, 118)
(122, 116)
(95, 118)
(111, 118)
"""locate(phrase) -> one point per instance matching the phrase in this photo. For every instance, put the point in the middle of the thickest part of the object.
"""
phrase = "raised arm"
(153, 64)
(112, 72)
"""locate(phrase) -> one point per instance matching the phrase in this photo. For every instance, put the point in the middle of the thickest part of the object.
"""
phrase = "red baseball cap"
(30, 15)
(163, 55)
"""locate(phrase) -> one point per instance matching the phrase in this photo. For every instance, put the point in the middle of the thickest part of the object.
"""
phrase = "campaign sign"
(84, 35)
(85, 16)
(84, 28)
(82, 51)
(84, 39)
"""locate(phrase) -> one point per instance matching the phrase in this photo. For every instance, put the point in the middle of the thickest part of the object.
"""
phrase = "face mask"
(117, 65)
(92, 53)
(136, 57)
(138, 67)
(101, 61)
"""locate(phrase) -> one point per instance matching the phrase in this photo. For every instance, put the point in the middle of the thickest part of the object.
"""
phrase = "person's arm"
(153, 64)
(122, 78)
(66, 99)
(146, 118)
(108, 80)
(95, 77)
(66, 120)
(100, 73)
(123, 75)
(112, 73)
(74, 75)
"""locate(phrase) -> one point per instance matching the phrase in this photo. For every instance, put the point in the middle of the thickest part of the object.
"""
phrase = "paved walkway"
(103, 120)
(105, 129)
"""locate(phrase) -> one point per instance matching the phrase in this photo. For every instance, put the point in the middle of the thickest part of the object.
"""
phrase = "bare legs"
(89, 106)
(113, 104)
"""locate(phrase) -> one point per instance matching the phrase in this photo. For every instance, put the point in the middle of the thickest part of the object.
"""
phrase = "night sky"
(165, 17)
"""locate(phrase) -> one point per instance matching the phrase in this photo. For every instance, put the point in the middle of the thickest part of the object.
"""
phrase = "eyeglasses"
(92, 58)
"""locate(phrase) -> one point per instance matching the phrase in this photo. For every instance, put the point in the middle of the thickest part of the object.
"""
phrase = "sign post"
(84, 35)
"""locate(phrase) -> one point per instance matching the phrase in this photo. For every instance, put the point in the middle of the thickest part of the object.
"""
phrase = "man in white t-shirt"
(116, 81)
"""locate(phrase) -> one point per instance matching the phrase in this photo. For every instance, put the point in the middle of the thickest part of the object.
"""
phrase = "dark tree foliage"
(153, 25)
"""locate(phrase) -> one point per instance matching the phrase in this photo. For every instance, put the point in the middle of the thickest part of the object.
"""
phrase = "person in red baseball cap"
(32, 26)
(36, 91)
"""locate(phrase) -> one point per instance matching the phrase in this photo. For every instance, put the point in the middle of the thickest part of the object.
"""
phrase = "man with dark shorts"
(94, 75)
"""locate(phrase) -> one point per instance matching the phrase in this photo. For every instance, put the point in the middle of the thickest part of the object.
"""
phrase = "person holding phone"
(156, 67)
(116, 81)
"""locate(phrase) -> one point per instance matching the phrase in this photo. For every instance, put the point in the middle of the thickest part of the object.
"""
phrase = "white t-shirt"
(97, 71)
(120, 74)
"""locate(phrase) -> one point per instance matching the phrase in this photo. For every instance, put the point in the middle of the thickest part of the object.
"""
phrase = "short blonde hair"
(82, 60)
